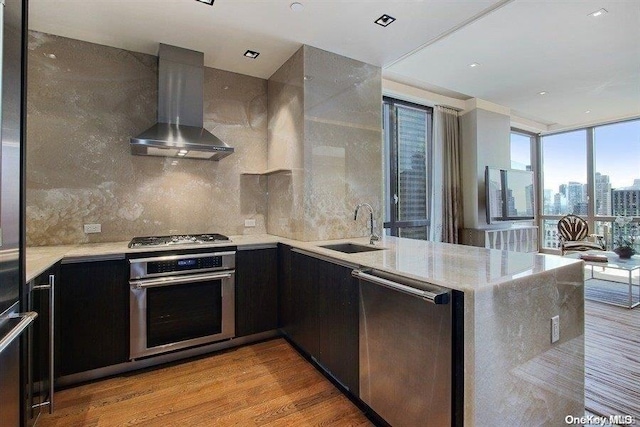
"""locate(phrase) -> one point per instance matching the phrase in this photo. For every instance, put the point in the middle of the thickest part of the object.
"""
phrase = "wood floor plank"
(612, 359)
(265, 384)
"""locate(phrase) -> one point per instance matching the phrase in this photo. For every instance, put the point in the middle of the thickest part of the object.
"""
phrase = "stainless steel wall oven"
(181, 300)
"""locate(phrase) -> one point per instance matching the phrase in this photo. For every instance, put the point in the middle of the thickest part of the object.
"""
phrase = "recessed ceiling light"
(542, 93)
(474, 65)
(251, 54)
(598, 12)
(385, 20)
(209, 2)
(182, 152)
(587, 112)
(296, 7)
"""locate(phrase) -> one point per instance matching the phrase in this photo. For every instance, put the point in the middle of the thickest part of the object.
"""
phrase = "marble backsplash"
(318, 116)
(85, 101)
(286, 148)
(343, 145)
(324, 123)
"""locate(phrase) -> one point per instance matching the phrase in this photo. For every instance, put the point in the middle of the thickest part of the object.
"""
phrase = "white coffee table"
(615, 262)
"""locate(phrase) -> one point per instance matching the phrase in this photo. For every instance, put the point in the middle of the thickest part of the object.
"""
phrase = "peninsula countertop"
(509, 299)
(459, 267)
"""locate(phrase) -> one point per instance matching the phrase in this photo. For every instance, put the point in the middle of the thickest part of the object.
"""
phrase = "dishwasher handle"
(437, 297)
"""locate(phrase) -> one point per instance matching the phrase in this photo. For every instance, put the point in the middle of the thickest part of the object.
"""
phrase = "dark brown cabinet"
(338, 322)
(302, 326)
(319, 313)
(39, 353)
(92, 316)
(256, 291)
(285, 291)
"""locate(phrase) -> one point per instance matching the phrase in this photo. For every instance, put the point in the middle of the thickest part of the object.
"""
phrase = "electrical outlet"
(92, 228)
(555, 329)
(249, 222)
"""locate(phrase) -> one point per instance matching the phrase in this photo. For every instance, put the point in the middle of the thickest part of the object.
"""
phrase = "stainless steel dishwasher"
(405, 350)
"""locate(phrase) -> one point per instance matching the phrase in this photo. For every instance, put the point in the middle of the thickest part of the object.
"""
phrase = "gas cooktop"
(186, 239)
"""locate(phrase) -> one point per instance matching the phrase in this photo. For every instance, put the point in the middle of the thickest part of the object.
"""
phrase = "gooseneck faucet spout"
(374, 237)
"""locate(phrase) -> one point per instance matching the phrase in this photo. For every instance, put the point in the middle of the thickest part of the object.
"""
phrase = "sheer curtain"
(446, 206)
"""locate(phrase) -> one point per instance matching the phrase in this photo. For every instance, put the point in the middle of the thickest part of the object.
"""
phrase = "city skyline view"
(616, 154)
(565, 165)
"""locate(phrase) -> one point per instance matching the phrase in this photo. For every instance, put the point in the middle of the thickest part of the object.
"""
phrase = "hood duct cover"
(179, 131)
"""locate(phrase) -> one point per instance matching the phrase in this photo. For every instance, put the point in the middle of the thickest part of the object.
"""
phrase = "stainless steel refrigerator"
(14, 322)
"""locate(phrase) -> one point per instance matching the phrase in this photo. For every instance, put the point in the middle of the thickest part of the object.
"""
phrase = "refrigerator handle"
(51, 288)
(25, 320)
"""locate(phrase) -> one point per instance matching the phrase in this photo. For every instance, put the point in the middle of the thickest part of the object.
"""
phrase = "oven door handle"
(171, 281)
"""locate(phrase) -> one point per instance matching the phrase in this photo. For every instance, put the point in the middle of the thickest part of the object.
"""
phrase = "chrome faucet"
(374, 237)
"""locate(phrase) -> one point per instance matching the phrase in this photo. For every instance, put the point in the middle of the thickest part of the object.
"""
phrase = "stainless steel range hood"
(179, 131)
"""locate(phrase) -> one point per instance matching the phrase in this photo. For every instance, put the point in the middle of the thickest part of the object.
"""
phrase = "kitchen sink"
(351, 248)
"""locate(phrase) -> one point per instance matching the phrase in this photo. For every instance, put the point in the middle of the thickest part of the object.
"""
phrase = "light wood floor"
(270, 384)
(265, 384)
(612, 359)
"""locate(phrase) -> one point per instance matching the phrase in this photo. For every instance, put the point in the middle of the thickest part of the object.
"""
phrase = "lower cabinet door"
(92, 316)
(302, 327)
(256, 291)
(338, 323)
(322, 316)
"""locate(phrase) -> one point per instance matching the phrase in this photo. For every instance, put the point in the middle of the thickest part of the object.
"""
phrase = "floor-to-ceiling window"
(521, 149)
(594, 173)
(407, 130)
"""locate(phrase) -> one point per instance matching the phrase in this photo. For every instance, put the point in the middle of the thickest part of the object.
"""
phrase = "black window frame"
(393, 224)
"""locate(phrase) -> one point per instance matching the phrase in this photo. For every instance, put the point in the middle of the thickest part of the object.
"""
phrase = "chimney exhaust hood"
(179, 131)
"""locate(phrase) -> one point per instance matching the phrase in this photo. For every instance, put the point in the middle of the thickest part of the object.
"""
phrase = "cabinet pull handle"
(52, 283)
(51, 288)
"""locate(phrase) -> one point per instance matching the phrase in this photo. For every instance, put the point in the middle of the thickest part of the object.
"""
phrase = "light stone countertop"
(459, 267)
(509, 299)
(40, 258)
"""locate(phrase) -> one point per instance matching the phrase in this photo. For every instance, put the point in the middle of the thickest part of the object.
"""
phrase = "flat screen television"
(510, 195)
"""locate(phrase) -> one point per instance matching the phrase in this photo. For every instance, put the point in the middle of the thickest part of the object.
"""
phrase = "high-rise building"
(511, 204)
(495, 198)
(626, 201)
(528, 193)
(559, 204)
(602, 194)
(550, 235)
(547, 200)
(575, 195)
(580, 208)
(563, 189)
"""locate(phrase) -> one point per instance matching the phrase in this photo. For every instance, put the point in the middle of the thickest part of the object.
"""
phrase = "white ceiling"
(523, 46)
(584, 63)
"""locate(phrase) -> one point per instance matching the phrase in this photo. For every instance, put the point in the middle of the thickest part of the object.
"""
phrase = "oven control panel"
(181, 264)
(195, 263)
